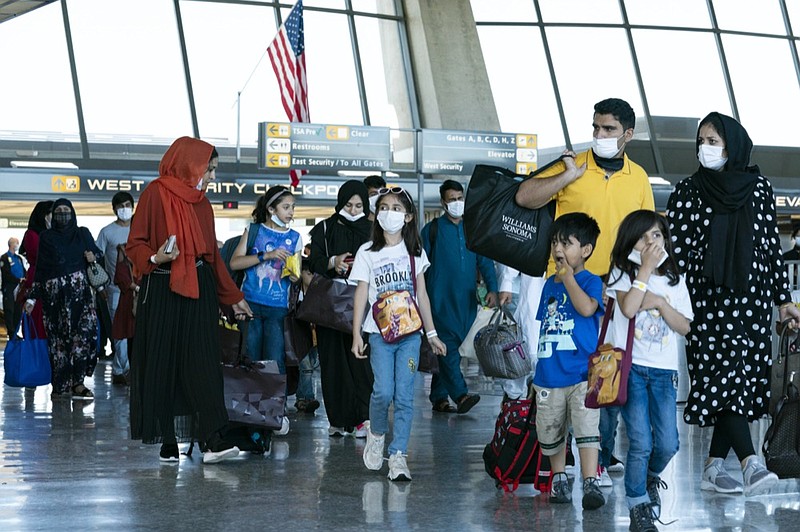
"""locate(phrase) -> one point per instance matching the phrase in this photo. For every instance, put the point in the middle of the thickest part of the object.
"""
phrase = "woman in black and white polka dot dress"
(725, 233)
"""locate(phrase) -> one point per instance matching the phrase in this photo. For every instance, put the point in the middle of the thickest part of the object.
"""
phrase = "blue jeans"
(449, 380)
(305, 384)
(609, 419)
(649, 416)
(394, 367)
(265, 335)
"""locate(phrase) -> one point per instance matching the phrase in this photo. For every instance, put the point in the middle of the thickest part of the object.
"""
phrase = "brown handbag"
(609, 368)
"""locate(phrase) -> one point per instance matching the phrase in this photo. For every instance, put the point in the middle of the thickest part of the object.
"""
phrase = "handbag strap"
(28, 329)
(413, 274)
(604, 328)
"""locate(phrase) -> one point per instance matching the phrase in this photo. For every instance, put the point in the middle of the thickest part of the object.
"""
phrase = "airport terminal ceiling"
(14, 8)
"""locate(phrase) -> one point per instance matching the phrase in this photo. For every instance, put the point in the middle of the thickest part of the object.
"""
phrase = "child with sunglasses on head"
(393, 261)
(648, 288)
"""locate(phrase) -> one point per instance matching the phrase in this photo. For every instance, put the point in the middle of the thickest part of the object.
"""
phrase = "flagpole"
(238, 129)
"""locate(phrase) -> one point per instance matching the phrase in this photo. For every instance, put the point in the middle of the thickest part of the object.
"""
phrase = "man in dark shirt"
(13, 271)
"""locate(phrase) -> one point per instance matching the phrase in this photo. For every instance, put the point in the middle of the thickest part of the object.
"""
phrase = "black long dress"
(346, 380)
(729, 347)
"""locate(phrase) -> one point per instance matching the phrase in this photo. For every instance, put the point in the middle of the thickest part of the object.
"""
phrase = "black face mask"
(61, 219)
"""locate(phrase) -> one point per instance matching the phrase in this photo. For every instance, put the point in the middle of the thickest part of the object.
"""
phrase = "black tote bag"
(497, 228)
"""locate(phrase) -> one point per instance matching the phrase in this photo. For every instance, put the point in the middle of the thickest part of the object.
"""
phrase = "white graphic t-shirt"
(385, 270)
(654, 343)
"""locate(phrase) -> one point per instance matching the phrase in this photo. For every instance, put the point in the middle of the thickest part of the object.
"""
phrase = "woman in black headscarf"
(346, 380)
(725, 233)
(37, 223)
(65, 250)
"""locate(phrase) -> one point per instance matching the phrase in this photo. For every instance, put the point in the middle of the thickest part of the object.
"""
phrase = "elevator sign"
(457, 152)
(323, 146)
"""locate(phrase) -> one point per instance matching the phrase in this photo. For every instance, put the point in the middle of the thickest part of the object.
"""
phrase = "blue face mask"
(277, 221)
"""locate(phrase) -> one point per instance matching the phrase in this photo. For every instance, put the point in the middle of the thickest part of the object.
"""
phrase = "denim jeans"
(649, 416)
(120, 364)
(609, 419)
(449, 381)
(305, 384)
(394, 367)
(265, 335)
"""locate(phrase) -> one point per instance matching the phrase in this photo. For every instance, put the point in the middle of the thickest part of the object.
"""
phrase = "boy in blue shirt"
(569, 310)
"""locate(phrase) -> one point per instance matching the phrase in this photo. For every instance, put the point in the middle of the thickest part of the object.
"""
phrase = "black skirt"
(176, 378)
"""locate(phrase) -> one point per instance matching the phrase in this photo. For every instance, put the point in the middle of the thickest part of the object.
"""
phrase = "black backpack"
(230, 246)
(514, 456)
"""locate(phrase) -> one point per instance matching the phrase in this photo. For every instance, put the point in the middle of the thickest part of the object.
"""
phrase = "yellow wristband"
(639, 286)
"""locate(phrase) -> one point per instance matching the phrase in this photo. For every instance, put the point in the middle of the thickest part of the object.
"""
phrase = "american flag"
(287, 54)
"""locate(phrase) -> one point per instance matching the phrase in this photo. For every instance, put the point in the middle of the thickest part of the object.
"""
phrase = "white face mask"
(392, 221)
(711, 157)
(373, 201)
(277, 221)
(796, 241)
(199, 185)
(635, 257)
(606, 148)
(455, 208)
(125, 214)
(349, 217)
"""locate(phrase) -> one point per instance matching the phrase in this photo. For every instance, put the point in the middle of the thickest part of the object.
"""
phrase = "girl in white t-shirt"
(381, 265)
(648, 288)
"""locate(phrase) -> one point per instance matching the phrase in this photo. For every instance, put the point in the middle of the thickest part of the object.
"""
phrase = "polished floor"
(70, 465)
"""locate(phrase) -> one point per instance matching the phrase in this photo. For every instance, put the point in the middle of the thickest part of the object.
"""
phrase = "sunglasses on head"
(394, 190)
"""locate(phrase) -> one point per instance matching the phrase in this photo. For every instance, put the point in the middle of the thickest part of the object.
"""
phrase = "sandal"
(466, 402)
(444, 406)
(82, 393)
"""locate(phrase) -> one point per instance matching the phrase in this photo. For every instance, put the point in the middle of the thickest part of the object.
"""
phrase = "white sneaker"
(337, 431)
(398, 468)
(284, 427)
(603, 478)
(361, 430)
(716, 478)
(757, 478)
(373, 450)
(211, 457)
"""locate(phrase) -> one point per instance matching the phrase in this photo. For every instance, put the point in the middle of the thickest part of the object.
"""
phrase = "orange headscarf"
(180, 171)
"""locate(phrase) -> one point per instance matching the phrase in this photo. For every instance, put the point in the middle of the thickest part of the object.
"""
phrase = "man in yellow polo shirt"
(601, 182)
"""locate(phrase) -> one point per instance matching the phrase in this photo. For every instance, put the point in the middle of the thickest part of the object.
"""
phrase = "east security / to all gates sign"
(457, 152)
(323, 146)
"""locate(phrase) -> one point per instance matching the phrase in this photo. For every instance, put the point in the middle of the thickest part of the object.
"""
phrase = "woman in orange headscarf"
(176, 379)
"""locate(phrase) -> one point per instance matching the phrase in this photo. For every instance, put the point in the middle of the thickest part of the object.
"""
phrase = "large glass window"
(332, 88)
(685, 13)
(382, 7)
(129, 69)
(226, 45)
(384, 74)
(582, 11)
(763, 16)
(683, 79)
(521, 85)
(36, 97)
(513, 11)
(766, 89)
(593, 64)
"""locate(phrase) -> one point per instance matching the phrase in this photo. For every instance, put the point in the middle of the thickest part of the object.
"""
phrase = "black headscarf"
(36, 222)
(729, 193)
(338, 235)
(61, 249)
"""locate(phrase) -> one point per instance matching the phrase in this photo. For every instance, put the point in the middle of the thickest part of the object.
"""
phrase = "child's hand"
(563, 269)
(651, 256)
(359, 348)
(652, 301)
(280, 254)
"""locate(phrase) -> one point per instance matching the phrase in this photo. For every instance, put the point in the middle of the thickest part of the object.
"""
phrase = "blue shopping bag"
(25, 361)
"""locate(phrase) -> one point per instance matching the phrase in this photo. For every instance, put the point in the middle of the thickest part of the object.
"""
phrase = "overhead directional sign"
(457, 152)
(323, 146)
